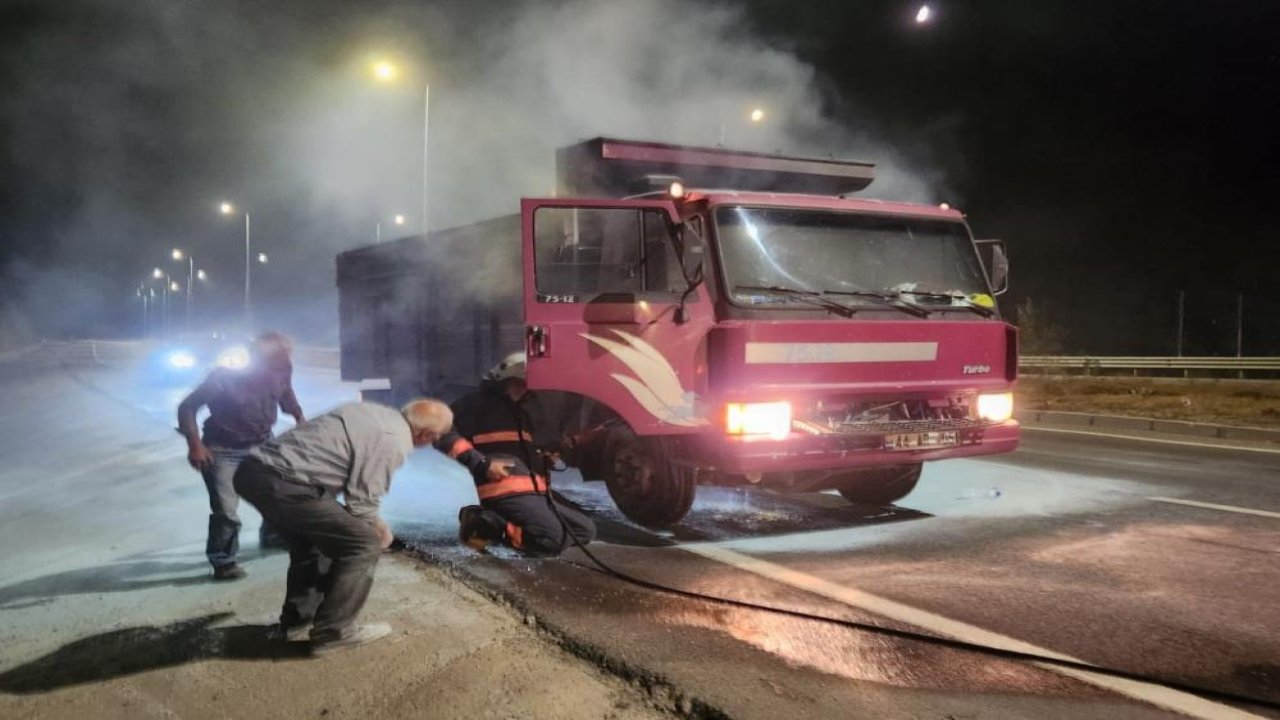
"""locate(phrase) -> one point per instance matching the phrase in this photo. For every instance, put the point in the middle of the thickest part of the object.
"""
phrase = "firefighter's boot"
(478, 527)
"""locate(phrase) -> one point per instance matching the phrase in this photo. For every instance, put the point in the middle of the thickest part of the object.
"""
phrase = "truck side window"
(581, 252)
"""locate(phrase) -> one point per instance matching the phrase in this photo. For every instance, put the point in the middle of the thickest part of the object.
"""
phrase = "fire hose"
(910, 635)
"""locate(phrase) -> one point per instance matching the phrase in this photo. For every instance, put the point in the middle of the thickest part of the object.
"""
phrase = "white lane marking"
(1184, 703)
(1139, 438)
(1214, 506)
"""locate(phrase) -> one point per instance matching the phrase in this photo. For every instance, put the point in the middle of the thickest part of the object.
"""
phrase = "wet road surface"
(1077, 545)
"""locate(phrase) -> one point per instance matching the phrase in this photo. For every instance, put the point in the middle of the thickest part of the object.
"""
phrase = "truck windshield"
(927, 262)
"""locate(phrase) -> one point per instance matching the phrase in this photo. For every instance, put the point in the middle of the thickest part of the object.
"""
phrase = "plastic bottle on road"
(980, 494)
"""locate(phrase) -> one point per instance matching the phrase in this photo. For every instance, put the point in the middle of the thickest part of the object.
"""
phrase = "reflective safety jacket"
(489, 425)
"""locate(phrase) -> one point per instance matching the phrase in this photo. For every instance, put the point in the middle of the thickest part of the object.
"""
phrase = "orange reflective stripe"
(503, 436)
(510, 486)
(459, 446)
(515, 535)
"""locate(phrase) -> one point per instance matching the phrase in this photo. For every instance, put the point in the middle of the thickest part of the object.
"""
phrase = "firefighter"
(501, 421)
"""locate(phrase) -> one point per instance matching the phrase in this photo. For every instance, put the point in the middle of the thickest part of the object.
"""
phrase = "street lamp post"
(142, 293)
(386, 72)
(756, 116)
(169, 286)
(377, 227)
(178, 256)
(159, 274)
(227, 208)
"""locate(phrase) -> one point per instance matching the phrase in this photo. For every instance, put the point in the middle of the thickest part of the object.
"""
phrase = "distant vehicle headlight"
(234, 358)
(182, 360)
(995, 408)
(770, 418)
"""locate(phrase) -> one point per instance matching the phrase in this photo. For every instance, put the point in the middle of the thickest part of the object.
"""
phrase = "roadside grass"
(1254, 403)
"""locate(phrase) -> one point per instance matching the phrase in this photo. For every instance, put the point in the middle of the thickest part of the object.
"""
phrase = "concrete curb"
(1170, 427)
(664, 693)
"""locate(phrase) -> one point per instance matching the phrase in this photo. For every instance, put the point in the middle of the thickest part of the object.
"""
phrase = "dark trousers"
(332, 554)
(534, 529)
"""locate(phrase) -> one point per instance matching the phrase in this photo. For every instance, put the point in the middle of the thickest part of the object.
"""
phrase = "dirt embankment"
(1252, 403)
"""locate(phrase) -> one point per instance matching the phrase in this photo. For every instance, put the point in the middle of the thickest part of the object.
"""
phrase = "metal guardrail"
(1168, 363)
(1208, 366)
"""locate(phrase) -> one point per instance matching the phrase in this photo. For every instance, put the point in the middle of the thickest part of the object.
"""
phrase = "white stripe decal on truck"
(763, 353)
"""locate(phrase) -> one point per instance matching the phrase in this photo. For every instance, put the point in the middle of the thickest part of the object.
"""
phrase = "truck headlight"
(771, 418)
(234, 358)
(995, 408)
(181, 360)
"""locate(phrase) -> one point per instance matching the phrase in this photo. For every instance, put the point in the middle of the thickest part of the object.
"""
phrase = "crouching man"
(295, 479)
(502, 424)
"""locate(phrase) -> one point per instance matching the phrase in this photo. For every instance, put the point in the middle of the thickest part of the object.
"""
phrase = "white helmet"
(511, 367)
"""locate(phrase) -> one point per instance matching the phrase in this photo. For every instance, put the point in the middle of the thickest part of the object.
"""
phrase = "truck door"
(611, 312)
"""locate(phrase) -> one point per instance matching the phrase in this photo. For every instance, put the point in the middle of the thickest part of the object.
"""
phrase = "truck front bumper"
(800, 452)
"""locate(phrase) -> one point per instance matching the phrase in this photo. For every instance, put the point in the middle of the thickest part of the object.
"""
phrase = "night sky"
(1125, 150)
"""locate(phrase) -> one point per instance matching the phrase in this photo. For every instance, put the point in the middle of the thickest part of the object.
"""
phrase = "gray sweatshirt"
(353, 449)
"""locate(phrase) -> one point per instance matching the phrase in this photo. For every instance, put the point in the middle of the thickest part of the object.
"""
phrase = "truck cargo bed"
(430, 314)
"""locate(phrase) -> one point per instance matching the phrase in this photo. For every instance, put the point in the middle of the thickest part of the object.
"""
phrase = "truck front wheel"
(644, 484)
(879, 485)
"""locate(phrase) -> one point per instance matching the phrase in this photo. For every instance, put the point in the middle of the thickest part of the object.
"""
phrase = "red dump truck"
(729, 317)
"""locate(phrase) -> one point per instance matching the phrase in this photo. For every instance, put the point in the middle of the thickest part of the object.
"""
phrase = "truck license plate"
(921, 440)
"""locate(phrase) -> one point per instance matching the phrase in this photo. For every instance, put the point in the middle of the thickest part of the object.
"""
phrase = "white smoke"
(557, 73)
(130, 121)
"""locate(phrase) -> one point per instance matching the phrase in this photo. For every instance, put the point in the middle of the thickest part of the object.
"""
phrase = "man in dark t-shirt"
(242, 410)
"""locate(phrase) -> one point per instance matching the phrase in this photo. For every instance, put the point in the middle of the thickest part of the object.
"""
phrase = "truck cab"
(734, 318)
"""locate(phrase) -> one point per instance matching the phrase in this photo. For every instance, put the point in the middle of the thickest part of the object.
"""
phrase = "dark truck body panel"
(430, 314)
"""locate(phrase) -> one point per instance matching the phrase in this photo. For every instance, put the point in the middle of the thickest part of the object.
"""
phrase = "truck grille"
(904, 426)
(863, 416)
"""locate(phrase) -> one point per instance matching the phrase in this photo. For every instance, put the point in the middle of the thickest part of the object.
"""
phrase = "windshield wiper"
(810, 298)
(982, 310)
(887, 299)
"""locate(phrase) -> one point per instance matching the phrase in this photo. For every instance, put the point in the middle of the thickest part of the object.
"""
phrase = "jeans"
(332, 553)
(224, 523)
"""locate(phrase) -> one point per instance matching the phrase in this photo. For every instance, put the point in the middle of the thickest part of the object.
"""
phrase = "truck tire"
(879, 485)
(646, 487)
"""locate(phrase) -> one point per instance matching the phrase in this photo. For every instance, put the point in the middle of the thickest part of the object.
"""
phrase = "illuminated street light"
(226, 208)
(757, 115)
(385, 71)
(399, 219)
(924, 15)
(202, 275)
(262, 258)
(157, 273)
(174, 286)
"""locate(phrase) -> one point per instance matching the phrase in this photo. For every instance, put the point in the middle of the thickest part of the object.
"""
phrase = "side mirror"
(996, 261)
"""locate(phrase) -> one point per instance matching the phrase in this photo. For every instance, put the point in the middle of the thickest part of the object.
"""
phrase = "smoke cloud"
(131, 121)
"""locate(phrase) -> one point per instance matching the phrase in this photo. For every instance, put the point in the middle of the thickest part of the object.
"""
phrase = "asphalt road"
(1077, 545)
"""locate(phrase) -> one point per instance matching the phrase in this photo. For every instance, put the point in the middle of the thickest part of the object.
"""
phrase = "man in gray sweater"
(295, 480)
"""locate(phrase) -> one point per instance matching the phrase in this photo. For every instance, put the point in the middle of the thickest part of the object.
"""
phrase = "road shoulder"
(150, 637)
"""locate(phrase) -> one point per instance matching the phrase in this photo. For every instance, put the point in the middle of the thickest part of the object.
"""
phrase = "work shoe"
(357, 636)
(230, 571)
(291, 634)
(473, 531)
